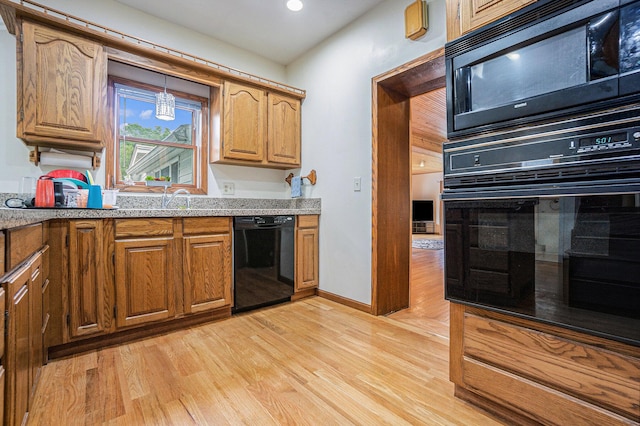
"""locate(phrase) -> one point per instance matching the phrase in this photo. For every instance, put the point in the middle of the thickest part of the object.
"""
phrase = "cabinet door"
(88, 310)
(144, 281)
(64, 87)
(17, 347)
(283, 143)
(244, 122)
(307, 253)
(207, 268)
(35, 321)
(2, 267)
(477, 13)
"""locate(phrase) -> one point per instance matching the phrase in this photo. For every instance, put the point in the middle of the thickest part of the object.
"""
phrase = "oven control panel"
(606, 141)
(544, 152)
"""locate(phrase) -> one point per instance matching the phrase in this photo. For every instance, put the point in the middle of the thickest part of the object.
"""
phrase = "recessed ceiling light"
(294, 5)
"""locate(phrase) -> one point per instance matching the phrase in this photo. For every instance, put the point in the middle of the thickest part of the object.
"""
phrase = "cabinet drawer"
(206, 225)
(126, 228)
(546, 361)
(308, 221)
(22, 243)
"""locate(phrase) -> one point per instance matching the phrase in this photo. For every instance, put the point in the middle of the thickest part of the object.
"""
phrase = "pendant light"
(165, 104)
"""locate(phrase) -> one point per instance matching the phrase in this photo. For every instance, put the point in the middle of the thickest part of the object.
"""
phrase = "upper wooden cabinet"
(283, 141)
(244, 128)
(257, 128)
(464, 16)
(62, 89)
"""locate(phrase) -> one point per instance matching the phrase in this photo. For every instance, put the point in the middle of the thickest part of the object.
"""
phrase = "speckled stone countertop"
(148, 206)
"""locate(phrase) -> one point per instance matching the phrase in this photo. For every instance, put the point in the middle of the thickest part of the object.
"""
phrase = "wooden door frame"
(391, 177)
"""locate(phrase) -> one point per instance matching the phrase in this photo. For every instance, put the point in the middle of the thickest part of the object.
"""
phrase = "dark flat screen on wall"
(423, 210)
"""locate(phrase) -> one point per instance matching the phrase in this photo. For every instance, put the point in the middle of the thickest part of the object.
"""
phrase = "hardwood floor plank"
(308, 362)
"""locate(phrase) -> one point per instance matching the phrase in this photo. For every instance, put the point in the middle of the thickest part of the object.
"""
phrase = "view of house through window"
(149, 148)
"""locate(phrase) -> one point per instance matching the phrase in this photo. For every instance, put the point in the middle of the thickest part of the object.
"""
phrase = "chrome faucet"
(167, 200)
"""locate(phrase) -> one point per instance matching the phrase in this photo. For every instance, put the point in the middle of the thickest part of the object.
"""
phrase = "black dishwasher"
(263, 261)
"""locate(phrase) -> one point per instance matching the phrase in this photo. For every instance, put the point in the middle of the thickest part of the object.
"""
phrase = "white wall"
(336, 118)
(336, 132)
(249, 182)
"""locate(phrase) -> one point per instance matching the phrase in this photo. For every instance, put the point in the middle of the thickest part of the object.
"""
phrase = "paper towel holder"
(34, 157)
(311, 177)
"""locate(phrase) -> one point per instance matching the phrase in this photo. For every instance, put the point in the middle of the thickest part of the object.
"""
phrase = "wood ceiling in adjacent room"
(428, 131)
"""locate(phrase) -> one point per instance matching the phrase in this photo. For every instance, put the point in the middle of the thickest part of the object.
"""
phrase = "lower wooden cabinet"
(2, 267)
(306, 253)
(207, 263)
(535, 373)
(127, 273)
(87, 309)
(144, 281)
(21, 350)
(17, 347)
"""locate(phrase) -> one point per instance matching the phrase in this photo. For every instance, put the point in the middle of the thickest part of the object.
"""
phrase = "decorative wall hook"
(311, 177)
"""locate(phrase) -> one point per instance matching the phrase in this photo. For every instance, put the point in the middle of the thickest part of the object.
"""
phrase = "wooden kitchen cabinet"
(3, 358)
(258, 128)
(207, 263)
(18, 345)
(307, 252)
(532, 372)
(464, 16)
(62, 89)
(244, 125)
(283, 141)
(144, 277)
(20, 296)
(2, 248)
(89, 313)
(35, 322)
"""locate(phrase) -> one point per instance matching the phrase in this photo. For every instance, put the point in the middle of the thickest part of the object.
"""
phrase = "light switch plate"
(228, 188)
(357, 184)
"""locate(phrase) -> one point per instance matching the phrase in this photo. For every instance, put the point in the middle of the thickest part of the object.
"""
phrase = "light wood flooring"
(311, 362)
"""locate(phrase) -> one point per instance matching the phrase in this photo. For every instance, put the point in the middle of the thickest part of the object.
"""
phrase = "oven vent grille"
(508, 24)
(539, 176)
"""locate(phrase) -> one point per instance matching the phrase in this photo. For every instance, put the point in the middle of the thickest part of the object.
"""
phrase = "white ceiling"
(264, 27)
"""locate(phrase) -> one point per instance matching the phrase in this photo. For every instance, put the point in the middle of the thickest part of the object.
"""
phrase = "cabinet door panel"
(64, 85)
(476, 13)
(306, 258)
(35, 323)
(144, 281)
(17, 349)
(283, 143)
(87, 303)
(207, 266)
(244, 122)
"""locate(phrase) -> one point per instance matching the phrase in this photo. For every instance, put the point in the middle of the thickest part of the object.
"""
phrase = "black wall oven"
(545, 224)
(555, 58)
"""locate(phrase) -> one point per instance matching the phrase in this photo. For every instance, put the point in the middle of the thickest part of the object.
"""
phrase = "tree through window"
(149, 148)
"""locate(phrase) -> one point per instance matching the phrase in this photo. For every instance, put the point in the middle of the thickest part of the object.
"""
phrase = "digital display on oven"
(603, 139)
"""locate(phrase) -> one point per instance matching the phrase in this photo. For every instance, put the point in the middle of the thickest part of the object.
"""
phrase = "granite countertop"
(137, 206)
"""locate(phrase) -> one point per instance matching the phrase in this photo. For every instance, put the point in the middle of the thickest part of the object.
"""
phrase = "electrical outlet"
(357, 184)
(228, 188)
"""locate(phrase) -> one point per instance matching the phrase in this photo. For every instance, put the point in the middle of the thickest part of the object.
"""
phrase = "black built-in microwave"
(551, 60)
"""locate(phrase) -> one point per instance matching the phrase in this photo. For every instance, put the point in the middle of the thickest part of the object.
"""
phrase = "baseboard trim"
(129, 335)
(345, 301)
